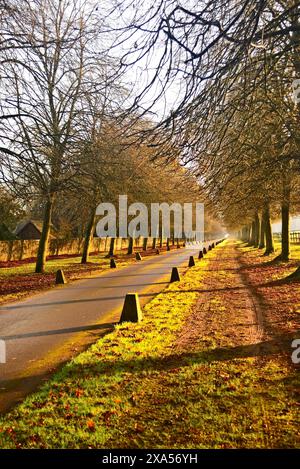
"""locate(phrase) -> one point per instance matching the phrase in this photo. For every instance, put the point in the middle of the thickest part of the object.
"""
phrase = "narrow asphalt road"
(49, 328)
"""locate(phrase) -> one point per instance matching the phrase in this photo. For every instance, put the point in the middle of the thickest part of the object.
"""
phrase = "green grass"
(294, 250)
(51, 266)
(135, 389)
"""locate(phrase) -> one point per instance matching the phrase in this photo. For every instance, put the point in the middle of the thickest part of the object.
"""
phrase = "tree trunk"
(248, 234)
(130, 246)
(285, 234)
(285, 218)
(88, 237)
(268, 231)
(44, 240)
(145, 242)
(262, 234)
(111, 251)
(252, 237)
(256, 237)
(154, 243)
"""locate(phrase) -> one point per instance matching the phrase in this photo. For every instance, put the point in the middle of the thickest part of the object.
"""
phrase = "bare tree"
(44, 85)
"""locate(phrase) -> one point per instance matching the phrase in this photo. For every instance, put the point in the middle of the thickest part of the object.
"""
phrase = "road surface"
(45, 330)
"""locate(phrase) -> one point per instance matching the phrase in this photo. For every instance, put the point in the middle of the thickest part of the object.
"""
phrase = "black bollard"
(60, 278)
(191, 261)
(175, 277)
(131, 311)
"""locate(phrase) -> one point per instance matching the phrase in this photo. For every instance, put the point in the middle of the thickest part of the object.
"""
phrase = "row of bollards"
(61, 280)
(132, 311)
(175, 277)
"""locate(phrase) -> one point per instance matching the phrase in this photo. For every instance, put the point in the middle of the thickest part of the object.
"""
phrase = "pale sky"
(295, 225)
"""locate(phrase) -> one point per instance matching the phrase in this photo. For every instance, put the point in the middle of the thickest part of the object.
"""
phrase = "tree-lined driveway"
(47, 329)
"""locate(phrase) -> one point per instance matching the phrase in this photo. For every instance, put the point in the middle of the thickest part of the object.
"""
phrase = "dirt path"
(226, 305)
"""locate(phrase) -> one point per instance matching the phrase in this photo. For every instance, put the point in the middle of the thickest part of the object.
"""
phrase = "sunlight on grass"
(294, 250)
(52, 265)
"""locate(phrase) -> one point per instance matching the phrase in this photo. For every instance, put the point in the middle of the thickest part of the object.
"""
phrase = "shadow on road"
(92, 327)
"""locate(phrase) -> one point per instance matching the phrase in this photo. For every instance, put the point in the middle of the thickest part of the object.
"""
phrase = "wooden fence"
(294, 237)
